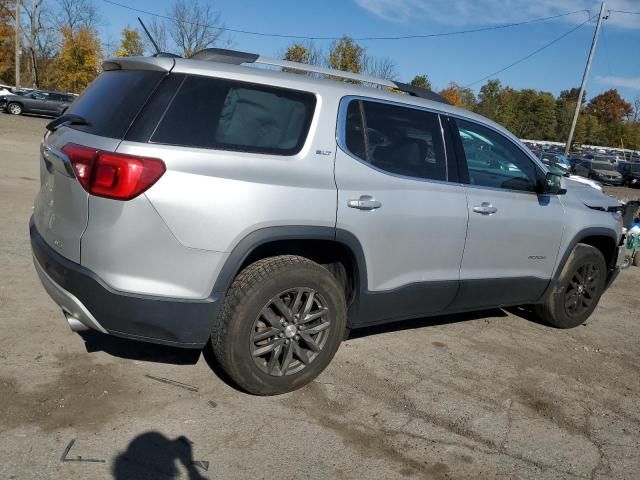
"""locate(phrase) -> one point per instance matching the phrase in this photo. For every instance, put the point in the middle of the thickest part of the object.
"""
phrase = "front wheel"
(14, 108)
(281, 323)
(577, 291)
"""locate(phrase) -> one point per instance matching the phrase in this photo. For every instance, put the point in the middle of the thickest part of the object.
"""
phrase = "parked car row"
(17, 102)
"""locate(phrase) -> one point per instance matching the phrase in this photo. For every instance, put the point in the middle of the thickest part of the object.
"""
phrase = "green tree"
(78, 60)
(346, 55)
(489, 99)
(130, 44)
(421, 81)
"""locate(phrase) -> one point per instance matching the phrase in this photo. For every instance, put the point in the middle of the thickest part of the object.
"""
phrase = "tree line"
(61, 49)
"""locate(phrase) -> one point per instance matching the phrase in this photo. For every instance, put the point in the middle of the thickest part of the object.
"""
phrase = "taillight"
(113, 175)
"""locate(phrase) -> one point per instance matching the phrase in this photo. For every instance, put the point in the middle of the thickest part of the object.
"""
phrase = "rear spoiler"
(158, 63)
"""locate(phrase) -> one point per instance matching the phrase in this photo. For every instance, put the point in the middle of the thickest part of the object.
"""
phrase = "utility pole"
(35, 4)
(17, 44)
(584, 80)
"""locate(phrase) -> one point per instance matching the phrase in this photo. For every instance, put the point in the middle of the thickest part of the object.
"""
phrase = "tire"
(263, 355)
(573, 300)
(636, 259)
(14, 108)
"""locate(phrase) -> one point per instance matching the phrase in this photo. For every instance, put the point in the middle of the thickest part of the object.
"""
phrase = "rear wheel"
(281, 323)
(14, 108)
(578, 290)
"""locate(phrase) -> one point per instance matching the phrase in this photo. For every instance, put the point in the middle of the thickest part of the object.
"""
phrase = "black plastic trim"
(612, 272)
(169, 321)
(420, 92)
(498, 292)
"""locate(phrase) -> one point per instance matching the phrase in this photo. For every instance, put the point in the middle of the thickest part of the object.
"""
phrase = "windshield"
(602, 166)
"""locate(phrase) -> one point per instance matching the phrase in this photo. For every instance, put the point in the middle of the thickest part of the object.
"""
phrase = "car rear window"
(113, 100)
(230, 115)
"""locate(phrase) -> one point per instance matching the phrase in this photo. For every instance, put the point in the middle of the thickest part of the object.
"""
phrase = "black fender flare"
(262, 236)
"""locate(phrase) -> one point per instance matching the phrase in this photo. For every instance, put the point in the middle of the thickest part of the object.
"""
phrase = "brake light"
(113, 175)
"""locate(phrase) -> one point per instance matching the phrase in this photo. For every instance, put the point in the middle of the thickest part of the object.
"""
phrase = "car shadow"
(413, 324)
(151, 455)
(135, 350)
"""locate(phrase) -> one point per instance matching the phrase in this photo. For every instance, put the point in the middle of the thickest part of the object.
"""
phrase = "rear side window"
(230, 115)
(400, 140)
(113, 100)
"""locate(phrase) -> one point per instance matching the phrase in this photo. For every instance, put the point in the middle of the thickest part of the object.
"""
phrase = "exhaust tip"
(75, 324)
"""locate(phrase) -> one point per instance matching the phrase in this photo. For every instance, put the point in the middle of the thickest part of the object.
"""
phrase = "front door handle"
(365, 202)
(485, 208)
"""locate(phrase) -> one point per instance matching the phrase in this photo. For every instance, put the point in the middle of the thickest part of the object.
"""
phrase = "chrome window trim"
(341, 136)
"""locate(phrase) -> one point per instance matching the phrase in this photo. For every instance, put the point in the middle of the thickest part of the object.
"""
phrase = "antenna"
(155, 45)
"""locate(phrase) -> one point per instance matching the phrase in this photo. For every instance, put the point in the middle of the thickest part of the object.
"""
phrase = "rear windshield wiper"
(66, 119)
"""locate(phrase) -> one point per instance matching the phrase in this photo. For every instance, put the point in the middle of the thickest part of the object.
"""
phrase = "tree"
(7, 49)
(421, 81)
(459, 96)
(194, 26)
(379, 67)
(131, 44)
(307, 53)
(158, 31)
(74, 14)
(346, 55)
(489, 99)
(609, 107)
(77, 62)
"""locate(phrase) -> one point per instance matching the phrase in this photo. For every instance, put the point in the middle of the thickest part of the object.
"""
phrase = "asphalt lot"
(491, 395)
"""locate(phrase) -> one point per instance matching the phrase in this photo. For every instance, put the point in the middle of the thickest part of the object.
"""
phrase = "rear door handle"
(485, 208)
(365, 202)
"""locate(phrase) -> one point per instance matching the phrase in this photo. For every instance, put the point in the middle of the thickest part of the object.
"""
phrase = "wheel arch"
(603, 239)
(324, 245)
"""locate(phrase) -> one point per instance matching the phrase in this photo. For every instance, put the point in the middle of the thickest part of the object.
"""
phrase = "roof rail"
(237, 58)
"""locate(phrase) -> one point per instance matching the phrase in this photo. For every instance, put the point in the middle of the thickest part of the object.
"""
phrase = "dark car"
(42, 103)
(630, 173)
(603, 172)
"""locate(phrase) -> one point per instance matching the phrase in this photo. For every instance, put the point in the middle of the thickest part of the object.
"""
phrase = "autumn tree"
(421, 81)
(7, 49)
(307, 53)
(130, 44)
(459, 96)
(609, 107)
(78, 60)
(346, 55)
(75, 14)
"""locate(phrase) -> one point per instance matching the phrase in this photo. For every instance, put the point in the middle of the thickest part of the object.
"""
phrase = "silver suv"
(193, 200)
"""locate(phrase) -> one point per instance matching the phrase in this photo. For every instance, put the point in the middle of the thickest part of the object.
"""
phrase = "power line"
(624, 11)
(526, 57)
(401, 37)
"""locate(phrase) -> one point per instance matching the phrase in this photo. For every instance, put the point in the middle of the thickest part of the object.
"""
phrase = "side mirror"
(551, 185)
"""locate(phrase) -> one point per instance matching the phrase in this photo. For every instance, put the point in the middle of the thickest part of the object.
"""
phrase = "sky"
(463, 59)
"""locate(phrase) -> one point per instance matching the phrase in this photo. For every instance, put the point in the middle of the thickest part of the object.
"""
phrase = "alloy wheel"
(582, 289)
(290, 332)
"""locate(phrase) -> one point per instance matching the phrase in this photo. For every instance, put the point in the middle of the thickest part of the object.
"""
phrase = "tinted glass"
(495, 161)
(229, 115)
(113, 100)
(399, 140)
(602, 166)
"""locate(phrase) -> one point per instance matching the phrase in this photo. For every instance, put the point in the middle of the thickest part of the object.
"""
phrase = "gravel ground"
(488, 395)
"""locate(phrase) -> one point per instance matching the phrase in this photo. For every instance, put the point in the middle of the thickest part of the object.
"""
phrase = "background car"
(603, 172)
(630, 173)
(42, 103)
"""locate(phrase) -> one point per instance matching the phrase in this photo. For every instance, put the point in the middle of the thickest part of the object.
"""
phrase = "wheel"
(636, 259)
(281, 323)
(578, 290)
(14, 108)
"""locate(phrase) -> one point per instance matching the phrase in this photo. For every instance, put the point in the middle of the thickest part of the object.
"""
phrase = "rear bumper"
(87, 300)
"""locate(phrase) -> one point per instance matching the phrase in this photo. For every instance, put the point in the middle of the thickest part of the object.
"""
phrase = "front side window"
(494, 161)
(399, 140)
(229, 115)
